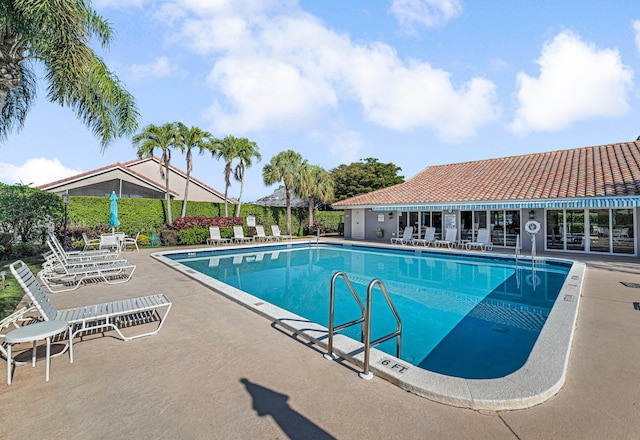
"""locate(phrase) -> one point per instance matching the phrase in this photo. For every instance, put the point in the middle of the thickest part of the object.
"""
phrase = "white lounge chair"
(59, 275)
(275, 230)
(131, 242)
(450, 238)
(15, 320)
(114, 315)
(483, 240)
(74, 254)
(214, 236)
(429, 237)
(58, 256)
(238, 235)
(261, 236)
(406, 238)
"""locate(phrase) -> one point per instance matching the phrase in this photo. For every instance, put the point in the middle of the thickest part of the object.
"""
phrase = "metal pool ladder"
(365, 319)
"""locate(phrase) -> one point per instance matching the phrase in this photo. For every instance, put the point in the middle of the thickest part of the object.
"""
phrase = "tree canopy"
(57, 35)
(285, 167)
(363, 177)
(26, 213)
(163, 137)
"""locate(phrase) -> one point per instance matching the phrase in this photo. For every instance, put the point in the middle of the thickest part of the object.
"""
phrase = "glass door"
(555, 229)
(599, 236)
(622, 231)
(575, 229)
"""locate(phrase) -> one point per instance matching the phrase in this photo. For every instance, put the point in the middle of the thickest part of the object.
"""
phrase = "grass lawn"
(11, 295)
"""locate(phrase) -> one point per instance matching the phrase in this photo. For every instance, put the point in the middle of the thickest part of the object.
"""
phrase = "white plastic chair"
(406, 238)
(214, 236)
(130, 241)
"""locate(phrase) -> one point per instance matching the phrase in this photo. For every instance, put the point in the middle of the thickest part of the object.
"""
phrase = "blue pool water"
(469, 317)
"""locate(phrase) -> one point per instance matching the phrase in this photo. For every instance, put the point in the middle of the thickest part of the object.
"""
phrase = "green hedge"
(148, 216)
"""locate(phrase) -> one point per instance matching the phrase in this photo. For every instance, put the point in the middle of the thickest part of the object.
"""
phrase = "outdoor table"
(33, 333)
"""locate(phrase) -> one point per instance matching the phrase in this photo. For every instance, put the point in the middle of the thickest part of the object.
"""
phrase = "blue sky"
(413, 82)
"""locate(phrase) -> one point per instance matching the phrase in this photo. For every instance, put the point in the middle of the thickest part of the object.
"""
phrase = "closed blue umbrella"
(113, 211)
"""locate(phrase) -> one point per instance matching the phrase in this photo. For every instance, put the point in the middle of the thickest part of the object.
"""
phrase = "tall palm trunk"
(288, 192)
(168, 195)
(226, 210)
(240, 198)
(186, 185)
(186, 197)
(311, 203)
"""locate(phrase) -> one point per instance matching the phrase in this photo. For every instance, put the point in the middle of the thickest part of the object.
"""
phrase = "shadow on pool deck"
(218, 370)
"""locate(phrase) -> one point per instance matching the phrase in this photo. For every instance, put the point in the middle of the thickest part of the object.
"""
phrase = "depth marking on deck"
(393, 365)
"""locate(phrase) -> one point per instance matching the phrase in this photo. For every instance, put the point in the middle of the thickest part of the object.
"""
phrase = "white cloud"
(159, 68)
(636, 28)
(426, 13)
(577, 81)
(37, 171)
(264, 93)
(404, 96)
(283, 68)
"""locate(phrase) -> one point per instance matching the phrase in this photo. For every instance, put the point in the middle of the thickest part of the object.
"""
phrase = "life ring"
(532, 227)
(529, 280)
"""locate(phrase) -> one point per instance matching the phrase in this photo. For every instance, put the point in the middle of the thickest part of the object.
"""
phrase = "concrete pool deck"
(218, 370)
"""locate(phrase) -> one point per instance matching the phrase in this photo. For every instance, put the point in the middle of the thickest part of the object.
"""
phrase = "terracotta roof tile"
(599, 171)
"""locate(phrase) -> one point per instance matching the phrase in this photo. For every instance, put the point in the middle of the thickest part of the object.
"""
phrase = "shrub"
(204, 222)
(144, 240)
(169, 237)
(193, 236)
(317, 226)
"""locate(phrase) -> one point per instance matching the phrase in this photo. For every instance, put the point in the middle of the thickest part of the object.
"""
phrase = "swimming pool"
(482, 331)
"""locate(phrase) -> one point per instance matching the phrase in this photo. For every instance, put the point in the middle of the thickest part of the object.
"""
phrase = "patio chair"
(429, 237)
(74, 254)
(114, 315)
(58, 256)
(90, 242)
(15, 320)
(110, 241)
(260, 235)
(130, 241)
(214, 236)
(238, 235)
(59, 275)
(406, 238)
(483, 240)
(275, 231)
(450, 238)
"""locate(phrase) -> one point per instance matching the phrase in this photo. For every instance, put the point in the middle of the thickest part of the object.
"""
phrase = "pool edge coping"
(541, 377)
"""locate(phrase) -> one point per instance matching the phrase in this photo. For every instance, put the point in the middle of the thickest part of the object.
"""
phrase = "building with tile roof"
(584, 199)
(138, 178)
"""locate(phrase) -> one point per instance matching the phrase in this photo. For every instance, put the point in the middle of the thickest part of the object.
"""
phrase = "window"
(594, 230)
(599, 237)
(622, 232)
(555, 229)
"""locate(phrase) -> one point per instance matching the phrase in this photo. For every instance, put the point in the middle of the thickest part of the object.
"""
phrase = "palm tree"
(190, 138)
(55, 36)
(315, 183)
(163, 137)
(228, 150)
(245, 152)
(285, 167)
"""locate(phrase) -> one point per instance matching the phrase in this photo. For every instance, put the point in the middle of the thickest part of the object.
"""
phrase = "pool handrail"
(332, 329)
(368, 343)
(365, 319)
